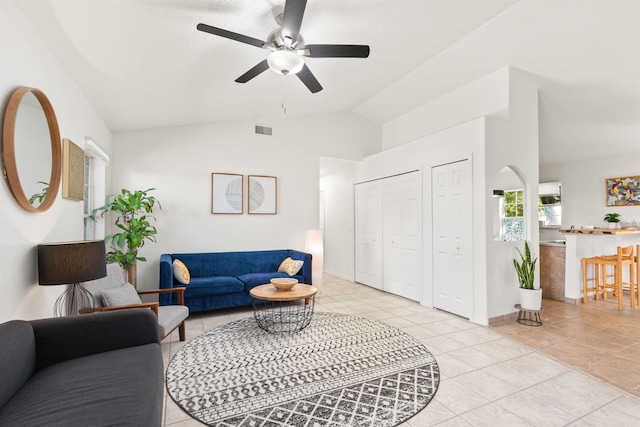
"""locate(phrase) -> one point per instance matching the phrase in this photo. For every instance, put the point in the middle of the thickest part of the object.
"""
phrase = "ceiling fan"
(288, 48)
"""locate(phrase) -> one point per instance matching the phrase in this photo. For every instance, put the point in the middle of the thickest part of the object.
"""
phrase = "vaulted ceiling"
(144, 65)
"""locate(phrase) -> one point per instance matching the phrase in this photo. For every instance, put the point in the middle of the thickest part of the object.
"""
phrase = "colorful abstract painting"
(624, 191)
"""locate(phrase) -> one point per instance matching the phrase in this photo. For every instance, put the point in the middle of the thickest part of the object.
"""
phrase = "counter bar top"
(600, 231)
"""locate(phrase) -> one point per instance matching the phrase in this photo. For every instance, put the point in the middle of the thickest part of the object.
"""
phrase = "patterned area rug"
(339, 371)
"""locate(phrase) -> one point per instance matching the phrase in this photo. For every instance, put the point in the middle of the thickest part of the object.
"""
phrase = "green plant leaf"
(133, 222)
(526, 269)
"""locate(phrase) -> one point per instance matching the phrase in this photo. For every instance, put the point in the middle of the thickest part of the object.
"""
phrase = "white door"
(368, 211)
(402, 225)
(452, 245)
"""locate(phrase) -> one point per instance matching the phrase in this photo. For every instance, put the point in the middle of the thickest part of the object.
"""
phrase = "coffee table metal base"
(283, 317)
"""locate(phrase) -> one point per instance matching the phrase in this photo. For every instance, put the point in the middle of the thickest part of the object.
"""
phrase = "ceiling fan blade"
(309, 80)
(262, 66)
(230, 35)
(337, 50)
(292, 19)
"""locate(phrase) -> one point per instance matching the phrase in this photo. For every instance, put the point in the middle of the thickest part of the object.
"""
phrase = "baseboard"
(340, 275)
(505, 318)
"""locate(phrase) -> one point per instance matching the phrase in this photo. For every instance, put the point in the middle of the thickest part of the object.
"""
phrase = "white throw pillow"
(290, 266)
(181, 272)
(124, 295)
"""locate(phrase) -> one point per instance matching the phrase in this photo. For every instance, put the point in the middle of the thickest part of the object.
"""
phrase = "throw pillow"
(124, 295)
(181, 272)
(290, 266)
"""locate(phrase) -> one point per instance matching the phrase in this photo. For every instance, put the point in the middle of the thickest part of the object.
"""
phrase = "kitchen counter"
(560, 243)
(552, 267)
(612, 231)
(583, 242)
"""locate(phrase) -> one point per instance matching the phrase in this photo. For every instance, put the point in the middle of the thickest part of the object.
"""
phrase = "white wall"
(487, 96)
(27, 62)
(339, 239)
(465, 141)
(490, 143)
(583, 187)
(179, 162)
(512, 142)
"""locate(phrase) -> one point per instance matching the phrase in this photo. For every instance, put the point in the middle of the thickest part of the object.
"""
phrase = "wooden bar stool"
(597, 283)
(638, 274)
(624, 257)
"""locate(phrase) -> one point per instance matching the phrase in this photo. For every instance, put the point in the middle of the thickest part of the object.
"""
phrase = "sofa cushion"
(210, 264)
(17, 358)
(113, 279)
(124, 295)
(118, 388)
(207, 286)
(181, 272)
(252, 280)
(170, 316)
(290, 266)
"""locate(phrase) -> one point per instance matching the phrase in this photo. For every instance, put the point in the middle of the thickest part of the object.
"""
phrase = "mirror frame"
(9, 154)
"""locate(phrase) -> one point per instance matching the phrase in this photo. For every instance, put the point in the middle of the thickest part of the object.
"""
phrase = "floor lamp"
(69, 263)
(315, 246)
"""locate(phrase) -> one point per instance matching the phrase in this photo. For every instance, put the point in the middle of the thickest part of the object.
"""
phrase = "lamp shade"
(315, 246)
(71, 262)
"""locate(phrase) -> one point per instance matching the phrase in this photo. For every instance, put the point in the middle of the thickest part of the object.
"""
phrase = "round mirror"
(31, 149)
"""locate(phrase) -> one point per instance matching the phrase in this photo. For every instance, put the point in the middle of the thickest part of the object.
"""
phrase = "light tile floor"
(487, 377)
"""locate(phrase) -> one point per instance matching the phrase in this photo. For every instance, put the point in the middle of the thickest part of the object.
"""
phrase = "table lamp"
(69, 263)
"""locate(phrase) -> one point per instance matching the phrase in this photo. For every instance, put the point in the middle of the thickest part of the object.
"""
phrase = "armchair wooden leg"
(181, 331)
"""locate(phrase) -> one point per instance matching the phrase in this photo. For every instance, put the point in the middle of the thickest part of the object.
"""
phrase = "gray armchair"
(114, 293)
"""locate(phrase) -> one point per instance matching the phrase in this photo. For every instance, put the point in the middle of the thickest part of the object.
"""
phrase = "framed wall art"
(227, 193)
(623, 191)
(72, 170)
(263, 194)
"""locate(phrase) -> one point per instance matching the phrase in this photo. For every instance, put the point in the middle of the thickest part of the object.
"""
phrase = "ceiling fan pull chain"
(284, 94)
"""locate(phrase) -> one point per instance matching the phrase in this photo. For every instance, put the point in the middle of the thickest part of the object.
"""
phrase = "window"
(513, 206)
(89, 195)
(513, 215)
(95, 162)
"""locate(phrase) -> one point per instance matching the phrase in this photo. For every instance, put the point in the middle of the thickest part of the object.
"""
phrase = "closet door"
(368, 211)
(402, 225)
(452, 239)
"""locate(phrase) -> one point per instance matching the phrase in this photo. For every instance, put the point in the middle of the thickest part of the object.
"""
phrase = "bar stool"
(596, 278)
(638, 273)
(624, 257)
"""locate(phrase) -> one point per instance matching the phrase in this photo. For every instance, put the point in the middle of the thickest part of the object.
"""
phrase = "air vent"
(264, 130)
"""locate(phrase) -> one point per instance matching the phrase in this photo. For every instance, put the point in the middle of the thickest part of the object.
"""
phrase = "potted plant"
(133, 209)
(530, 297)
(613, 219)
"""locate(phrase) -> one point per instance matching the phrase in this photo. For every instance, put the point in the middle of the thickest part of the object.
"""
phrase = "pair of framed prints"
(227, 194)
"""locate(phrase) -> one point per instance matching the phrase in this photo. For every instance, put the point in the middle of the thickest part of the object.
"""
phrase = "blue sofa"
(224, 279)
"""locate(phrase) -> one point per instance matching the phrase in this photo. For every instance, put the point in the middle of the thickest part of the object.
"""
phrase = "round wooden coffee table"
(283, 312)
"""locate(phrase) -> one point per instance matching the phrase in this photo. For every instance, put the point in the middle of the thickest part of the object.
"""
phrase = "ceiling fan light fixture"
(285, 61)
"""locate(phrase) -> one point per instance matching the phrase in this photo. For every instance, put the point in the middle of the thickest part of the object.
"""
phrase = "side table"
(528, 317)
(283, 312)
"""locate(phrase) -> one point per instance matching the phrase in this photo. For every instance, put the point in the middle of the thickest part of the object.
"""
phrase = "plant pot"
(613, 225)
(531, 299)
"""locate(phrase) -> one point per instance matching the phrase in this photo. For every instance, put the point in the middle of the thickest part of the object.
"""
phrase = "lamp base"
(72, 300)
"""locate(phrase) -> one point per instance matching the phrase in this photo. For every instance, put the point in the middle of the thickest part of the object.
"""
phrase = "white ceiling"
(143, 64)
